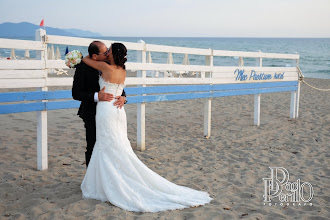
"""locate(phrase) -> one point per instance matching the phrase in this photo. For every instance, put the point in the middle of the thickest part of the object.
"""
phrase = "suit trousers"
(90, 127)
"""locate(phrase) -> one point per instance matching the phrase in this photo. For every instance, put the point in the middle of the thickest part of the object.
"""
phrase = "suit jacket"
(85, 84)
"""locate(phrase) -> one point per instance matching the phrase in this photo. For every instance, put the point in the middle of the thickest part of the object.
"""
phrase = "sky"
(177, 18)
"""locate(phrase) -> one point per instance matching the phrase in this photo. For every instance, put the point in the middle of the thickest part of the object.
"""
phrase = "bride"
(115, 173)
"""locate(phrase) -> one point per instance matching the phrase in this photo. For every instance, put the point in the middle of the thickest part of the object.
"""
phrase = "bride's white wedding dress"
(116, 174)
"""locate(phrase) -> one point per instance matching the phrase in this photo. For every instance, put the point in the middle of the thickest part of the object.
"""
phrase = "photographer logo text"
(278, 191)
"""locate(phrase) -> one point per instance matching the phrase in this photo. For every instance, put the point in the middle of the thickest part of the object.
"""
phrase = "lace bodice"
(112, 88)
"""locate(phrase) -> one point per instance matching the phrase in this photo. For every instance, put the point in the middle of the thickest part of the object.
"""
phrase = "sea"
(314, 52)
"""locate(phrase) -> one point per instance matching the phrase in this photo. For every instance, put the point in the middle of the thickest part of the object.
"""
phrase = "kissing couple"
(114, 172)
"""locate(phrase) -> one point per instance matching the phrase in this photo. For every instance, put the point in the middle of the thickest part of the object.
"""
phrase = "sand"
(229, 165)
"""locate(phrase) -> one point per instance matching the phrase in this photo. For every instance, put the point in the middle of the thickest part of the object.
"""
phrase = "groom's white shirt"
(96, 97)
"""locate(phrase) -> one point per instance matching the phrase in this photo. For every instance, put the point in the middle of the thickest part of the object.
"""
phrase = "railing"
(212, 81)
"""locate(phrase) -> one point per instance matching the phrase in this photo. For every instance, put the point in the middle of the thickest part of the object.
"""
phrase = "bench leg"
(297, 101)
(293, 104)
(42, 142)
(207, 118)
(141, 126)
(257, 109)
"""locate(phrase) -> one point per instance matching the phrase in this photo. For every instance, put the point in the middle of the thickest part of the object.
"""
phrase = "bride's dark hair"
(119, 53)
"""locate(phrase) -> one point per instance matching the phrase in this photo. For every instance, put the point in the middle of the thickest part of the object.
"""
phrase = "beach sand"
(229, 165)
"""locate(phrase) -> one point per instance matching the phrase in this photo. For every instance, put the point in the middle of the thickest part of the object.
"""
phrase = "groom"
(87, 90)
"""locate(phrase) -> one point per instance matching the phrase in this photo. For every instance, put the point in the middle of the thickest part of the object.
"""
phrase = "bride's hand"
(120, 101)
(99, 65)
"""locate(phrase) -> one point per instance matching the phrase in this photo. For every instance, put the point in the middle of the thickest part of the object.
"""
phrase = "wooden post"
(297, 100)
(241, 61)
(293, 104)
(42, 148)
(259, 62)
(257, 99)
(257, 109)
(141, 58)
(298, 93)
(207, 102)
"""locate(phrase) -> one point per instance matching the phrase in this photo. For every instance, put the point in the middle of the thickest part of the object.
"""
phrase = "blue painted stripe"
(166, 89)
(63, 104)
(22, 96)
(35, 95)
(62, 94)
(205, 88)
(23, 107)
(253, 85)
(183, 96)
(38, 106)
(59, 94)
(253, 91)
(67, 94)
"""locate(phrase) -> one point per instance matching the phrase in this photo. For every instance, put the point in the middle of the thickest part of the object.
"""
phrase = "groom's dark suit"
(85, 84)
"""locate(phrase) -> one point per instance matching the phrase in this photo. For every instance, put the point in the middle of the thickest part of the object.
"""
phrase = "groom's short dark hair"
(94, 48)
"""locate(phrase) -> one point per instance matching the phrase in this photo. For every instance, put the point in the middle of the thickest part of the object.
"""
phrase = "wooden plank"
(183, 81)
(183, 96)
(63, 104)
(253, 85)
(221, 69)
(22, 74)
(67, 94)
(38, 106)
(214, 69)
(51, 64)
(22, 64)
(52, 39)
(59, 81)
(19, 83)
(250, 75)
(167, 67)
(226, 53)
(56, 64)
(22, 107)
(67, 81)
(35, 95)
(22, 96)
(160, 81)
(182, 50)
(62, 40)
(21, 44)
(166, 89)
(59, 94)
(253, 91)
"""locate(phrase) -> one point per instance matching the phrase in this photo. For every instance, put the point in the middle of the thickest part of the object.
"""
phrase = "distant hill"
(25, 29)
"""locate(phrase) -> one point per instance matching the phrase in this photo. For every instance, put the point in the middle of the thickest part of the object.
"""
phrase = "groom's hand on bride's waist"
(103, 96)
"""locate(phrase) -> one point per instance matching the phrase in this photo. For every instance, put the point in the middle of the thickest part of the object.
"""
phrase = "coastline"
(229, 165)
